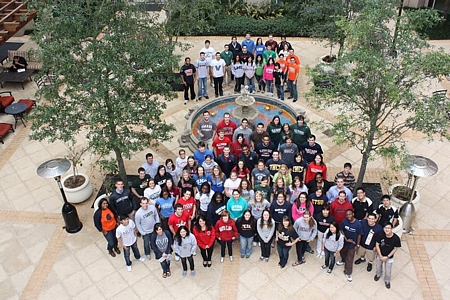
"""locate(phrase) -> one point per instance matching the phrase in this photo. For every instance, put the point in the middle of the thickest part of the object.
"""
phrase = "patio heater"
(54, 168)
(417, 166)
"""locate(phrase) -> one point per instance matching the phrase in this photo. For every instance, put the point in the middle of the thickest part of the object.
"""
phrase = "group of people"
(266, 188)
(261, 66)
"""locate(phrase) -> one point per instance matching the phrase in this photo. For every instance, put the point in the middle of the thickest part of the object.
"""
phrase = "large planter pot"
(399, 203)
(78, 194)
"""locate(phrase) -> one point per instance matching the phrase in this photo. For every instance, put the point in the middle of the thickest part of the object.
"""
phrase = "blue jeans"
(203, 87)
(283, 253)
(293, 89)
(147, 246)
(269, 84)
(126, 253)
(280, 91)
(246, 245)
(329, 259)
(251, 84)
(111, 238)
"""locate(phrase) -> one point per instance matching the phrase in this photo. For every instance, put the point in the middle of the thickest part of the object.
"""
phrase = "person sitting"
(18, 63)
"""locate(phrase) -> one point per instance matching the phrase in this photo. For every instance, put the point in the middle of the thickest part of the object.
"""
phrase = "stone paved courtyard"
(39, 260)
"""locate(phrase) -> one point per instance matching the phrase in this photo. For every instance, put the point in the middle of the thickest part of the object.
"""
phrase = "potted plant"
(402, 193)
(77, 186)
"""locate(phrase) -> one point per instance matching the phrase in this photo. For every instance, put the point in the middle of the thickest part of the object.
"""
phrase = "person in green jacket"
(260, 63)
(300, 132)
(227, 56)
(274, 130)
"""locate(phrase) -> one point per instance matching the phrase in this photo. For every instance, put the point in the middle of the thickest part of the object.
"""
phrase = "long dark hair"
(207, 185)
(269, 222)
(178, 235)
(338, 234)
(214, 197)
(281, 226)
(197, 225)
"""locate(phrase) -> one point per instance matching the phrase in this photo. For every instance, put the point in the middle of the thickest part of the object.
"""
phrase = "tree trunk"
(446, 8)
(365, 158)
(121, 165)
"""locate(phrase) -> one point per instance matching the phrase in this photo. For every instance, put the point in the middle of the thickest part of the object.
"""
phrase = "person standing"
(306, 228)
(161, 245)
(285, 238)
(226, 233)
(209, 55)
(106, 221)
(236, 205)
(332, 243)
(187, 75)
(139, 185)
(362, 205)
(227, 56)
(288, 153)
(227, 125)
(339, 207)
(293, 70)
(352, 231)
(323, 219)
(234, 47)
(371, 231)
(300, 132)
(150, 165)
(206, 129)
(271, 42)
(249, 43)
(268, 75)
(217, 69)
(202, 73)
(184, 246)
(278, 76)
(146, 218)
(246, 226)
(249, 70)
(387, 244)
(349, 178)
(206, 235)
(244, 129)
(237, 69)
(121, 202)
(126, 235)
(265, 227)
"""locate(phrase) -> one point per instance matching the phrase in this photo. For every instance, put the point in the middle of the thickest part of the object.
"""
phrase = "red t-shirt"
(177, 221)
(188, 205)
(338, 210)
(236, 147)
(313, 169)
(219, 144)
(229, 129)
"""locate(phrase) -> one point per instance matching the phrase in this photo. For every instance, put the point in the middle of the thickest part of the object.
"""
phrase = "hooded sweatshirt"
(331, 244)
(226, 231)
(303, 230)
(205, 238)
(187, 247)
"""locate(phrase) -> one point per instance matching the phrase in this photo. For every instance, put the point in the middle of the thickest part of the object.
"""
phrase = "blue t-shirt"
(166, 206)
(370, 234)
(217, 185)
(250, 45)
(351, 231)
(200, 157)
(201, 180)
(260, 50)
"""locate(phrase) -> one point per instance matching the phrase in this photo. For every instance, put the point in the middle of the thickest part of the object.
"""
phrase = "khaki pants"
(368, 254)
(227, 76)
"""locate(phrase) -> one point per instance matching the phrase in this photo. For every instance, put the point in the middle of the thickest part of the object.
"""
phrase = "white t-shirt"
(152, 194)
(209, 53)
(218, 67)
(232, 185)
(126, 233)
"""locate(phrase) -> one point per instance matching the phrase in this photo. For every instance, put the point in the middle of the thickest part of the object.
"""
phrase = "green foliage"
(262, 11)
(437, 29)
(238, 25)
(376, 96)
(110, 63)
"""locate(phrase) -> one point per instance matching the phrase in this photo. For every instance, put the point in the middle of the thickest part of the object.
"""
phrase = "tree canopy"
(111, 63)
(377, 87)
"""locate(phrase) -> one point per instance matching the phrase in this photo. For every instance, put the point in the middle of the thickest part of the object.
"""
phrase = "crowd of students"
(265, 188)
(259, 66)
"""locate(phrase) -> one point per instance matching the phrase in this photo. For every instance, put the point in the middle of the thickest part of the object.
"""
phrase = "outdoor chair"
(28, 102)
(4, 129)
(5, 100)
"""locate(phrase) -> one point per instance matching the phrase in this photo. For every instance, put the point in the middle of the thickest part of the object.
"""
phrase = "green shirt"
(268, 54)
(264, 190)
(274, 132)
(227, 57)
(259, 68)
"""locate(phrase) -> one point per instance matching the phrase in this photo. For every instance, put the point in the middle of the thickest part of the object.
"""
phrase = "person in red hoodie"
(226, 232)
(206, 235)
(339, 207)
(188, 203)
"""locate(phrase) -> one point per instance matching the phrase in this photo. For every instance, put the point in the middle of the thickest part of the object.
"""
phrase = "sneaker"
(148, 257)
(247, 256)
(267, 259)
(329, 271)
(323, 267)
(387, 284)
(360, 260)
(295, 100)
(261, 258)
(185, 102)
(177, 258)
(340, 263)
(212, 84)
(369, 267)
(142, 258)
(184, 273)
(349, 277)
(242, 256)
(129, 268)
(231, 258)
(255, 244)
(193, 273)
(376, 278)
(206, 97)
(199, 98)
(221, 259)
(259, 244)
(311, 251)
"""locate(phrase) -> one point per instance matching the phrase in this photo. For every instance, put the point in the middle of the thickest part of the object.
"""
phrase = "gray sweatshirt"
(331, 244)
(187, 247)
(146, 219)
(303, 230)
(265, 233)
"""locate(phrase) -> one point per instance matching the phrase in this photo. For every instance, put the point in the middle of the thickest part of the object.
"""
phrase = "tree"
(376, 95)
(111, 62)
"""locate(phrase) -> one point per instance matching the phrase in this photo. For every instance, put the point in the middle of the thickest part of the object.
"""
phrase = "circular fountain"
(257, 108)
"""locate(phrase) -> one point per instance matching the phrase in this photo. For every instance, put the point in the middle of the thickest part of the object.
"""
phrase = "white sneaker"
(349, 277)
(148, 257)
(221, 259)
(129, 268)
(185, 102)
(142, 258)
(340, 263)
(177, 258)
(231, 258)
(255, 244)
